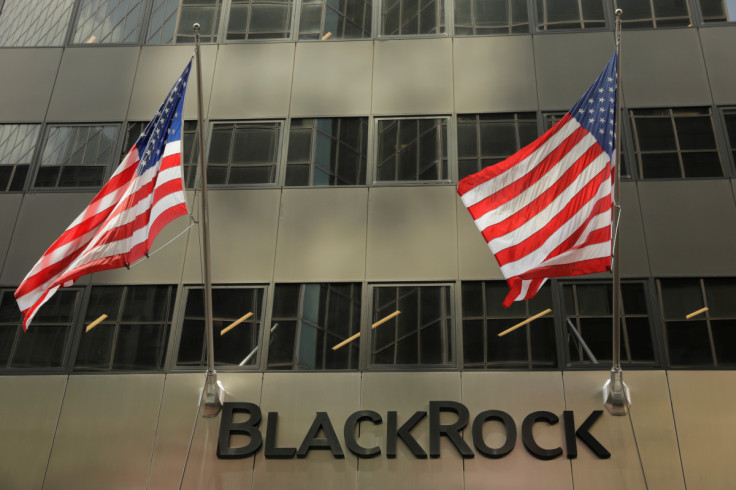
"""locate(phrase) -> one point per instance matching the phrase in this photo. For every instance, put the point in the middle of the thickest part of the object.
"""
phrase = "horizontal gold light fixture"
(95, 323)
(236, 323)
(379, 322)
(696, 313)
(327, 36)
(521, 324)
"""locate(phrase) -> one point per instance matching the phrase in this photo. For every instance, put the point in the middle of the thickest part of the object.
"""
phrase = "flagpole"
(615, 392)
(211, 394)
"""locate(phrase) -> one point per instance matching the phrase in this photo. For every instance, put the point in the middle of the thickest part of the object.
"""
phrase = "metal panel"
(407, 393)
(29, 411)
(475, 259)
(164, 265)
(412, 76)
(94, 84)
(42, 218)
(561, 78)
(173, 434)
(106, 432)
(518, 470)
(27, 79)
(243, 227)
(494, 74)
(720, 62)
(158, 69)
(411, 233)
(322, 235)
(634, 261)
(583, 394)
(654, 425)
(252, 81)
(203, 469)
(663, 68)
(297, 397)
(703, 402)
(332, 79)
(680, 240)
(10, 204)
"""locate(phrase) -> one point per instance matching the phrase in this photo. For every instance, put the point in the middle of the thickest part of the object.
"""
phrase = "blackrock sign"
(322, 436)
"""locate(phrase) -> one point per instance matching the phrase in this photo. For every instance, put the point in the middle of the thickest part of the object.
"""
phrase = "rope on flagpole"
(148, 256)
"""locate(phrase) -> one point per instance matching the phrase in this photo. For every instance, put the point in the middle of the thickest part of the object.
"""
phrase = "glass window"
(236, 347)
(412, 150)
(420, 334)
(551, 118)
(412, 17)
(135, 334)
(330, 151)
(486, 139)
(172, 21)
(477, 17)
(190, 148)
(730, 118)
(707, 338)
(75, 156)
(718, 10)
(109, 21)
(675, 143)
(36, 23)
(570, 14)
(243, 153)
(588, 306)
(484, 317)
(17, 146)
(311, 323)
(260, 19)
(329, 19)
(654, 13)
(46, 343)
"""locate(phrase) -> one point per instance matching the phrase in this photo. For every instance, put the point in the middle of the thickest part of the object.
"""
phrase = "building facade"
(336, 133)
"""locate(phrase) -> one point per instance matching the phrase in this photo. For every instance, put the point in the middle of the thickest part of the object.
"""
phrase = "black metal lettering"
(509, 426)
(585, 436)
(528, 437)
(248, 428)
(451, 431)
(350, 439)
(321, 422)
(273, 452)
(403, 433)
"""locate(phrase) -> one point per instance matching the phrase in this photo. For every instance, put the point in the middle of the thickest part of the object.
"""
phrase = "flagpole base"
(616, 395)
(212, 396)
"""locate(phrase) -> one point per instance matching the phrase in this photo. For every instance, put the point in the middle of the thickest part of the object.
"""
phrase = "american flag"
(546, 210)
(120, 224)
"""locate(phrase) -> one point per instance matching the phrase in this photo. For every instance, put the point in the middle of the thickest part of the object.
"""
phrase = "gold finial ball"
(196, 26)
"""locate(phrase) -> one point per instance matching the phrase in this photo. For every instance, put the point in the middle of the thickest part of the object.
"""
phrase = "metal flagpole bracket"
(616, 394)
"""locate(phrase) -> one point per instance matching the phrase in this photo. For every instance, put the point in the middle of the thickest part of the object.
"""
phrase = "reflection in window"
(718, 10)
(76, 156)
(412, 150)
(135, 334)
(484, 317)
(329, 151)
(421, 334)
(588, 307)
(243, 153)
(109, 21)
(37, 23)
(172, 23)
(570, 14)
(730, 118)
(239, 345)
(675, 143)
(708, 338)
(259, 19)
(328, 19)
(311, 319)
(477, 17)
(486, 139)
(45, 344)
(412, 17)
(17, 146)
(654, 13)
(190, 148)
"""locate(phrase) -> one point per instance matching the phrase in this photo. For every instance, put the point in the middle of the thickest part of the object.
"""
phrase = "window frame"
(536, 22)
(34, 156)
(378, 15)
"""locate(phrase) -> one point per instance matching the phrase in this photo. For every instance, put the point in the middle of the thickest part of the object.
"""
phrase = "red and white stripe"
(116, 229)
(545, 211)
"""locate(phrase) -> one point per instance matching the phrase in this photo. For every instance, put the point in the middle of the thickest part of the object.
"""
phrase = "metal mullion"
(528, 333)
(677, 143)
(324, 327)
(479, 160)
(114, 349)
(577, 322)
(312, 151)
(711, 340)
(298, 332)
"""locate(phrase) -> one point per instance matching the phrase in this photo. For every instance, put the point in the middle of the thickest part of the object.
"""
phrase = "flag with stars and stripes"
(546, 211)
(120, 224)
